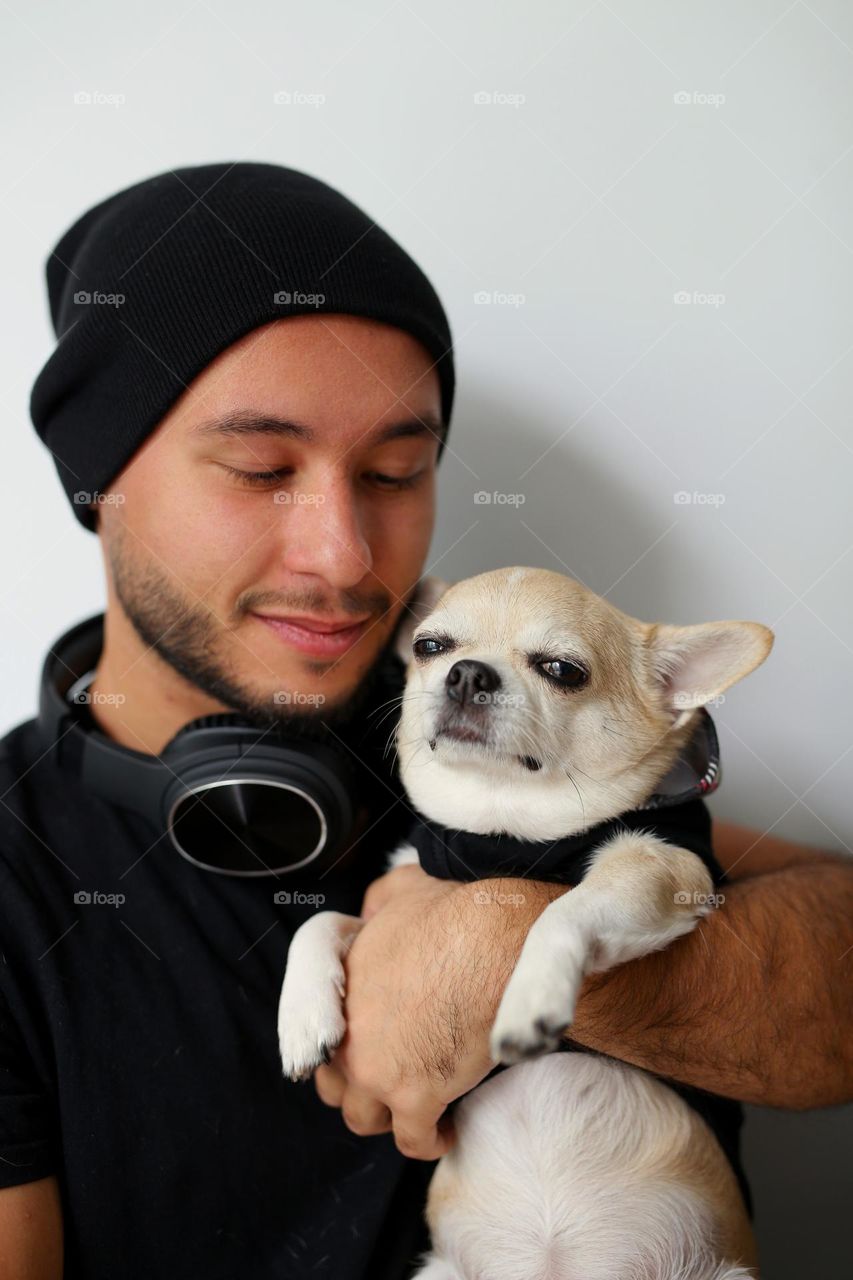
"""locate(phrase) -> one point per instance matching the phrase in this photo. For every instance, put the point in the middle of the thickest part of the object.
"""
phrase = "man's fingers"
(423, 1135)
(364, 1114)
(330, 1084)
(423, 1131)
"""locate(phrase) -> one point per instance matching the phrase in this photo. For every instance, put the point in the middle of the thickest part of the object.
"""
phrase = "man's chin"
(310, 699)
(307, 692)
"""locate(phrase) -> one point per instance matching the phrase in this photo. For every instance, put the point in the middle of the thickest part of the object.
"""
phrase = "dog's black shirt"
(460, 855)
(675, 813)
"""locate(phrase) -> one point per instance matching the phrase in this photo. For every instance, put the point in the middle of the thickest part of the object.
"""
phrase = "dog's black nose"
(468, 678)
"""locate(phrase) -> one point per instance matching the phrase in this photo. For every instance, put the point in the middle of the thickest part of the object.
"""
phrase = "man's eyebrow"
(249, 424)
(426, 424)
(234, 425)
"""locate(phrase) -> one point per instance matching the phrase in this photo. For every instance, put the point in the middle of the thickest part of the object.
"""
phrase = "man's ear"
(423, 600)
(694, 664)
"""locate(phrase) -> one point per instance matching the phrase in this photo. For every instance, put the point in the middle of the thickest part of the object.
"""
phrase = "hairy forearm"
(755, 1004)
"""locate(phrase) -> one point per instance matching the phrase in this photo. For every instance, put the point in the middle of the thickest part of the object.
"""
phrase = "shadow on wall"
(508, 494)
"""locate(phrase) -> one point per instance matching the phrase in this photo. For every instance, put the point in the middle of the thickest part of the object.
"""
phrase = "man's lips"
(324, 637)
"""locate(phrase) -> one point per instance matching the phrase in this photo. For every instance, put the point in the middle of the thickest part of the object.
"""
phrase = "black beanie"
(147, 287)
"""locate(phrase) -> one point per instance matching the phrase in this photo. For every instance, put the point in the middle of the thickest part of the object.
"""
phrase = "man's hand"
(424, 979)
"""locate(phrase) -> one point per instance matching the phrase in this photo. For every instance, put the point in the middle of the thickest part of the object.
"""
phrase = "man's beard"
(186, 637)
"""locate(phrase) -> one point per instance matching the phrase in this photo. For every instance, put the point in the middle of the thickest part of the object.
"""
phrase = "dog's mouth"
(472, 737)
(461, 733)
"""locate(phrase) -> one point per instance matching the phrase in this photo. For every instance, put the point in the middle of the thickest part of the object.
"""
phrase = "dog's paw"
(510, 1047)
(532, 1016)
(310, 1028)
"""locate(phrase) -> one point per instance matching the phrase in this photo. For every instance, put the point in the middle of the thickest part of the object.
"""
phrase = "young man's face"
(268, 566)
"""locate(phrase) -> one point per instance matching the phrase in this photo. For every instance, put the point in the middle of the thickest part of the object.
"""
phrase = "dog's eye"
(427, 647)
(568, 675)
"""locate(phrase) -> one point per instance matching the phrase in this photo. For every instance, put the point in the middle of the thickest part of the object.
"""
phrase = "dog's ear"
(423, 600)
(695, 664)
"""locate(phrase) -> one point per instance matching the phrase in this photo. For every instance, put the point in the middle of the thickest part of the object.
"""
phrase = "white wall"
(598, 197)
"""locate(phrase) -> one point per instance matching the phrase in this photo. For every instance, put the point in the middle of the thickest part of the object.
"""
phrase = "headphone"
(232, 797)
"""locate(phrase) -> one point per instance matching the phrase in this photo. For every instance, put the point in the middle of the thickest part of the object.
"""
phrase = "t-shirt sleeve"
(27, 1145)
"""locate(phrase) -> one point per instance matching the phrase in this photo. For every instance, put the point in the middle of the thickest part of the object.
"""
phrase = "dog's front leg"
(311, 1020)
(638, 895)
(310, 1008)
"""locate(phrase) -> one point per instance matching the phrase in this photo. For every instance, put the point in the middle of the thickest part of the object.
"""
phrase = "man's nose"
(322, 534)
(470, 682)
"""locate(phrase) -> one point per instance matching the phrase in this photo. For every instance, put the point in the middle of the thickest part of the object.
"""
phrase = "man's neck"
(136, 698)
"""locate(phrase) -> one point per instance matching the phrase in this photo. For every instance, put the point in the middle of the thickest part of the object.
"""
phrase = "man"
(253, 432)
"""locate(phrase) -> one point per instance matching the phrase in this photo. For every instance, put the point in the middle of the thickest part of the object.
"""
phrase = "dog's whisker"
(392, 705)
(396, 700)
(580, 797)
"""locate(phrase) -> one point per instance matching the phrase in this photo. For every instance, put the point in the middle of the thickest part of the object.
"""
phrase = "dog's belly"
(575, 1167)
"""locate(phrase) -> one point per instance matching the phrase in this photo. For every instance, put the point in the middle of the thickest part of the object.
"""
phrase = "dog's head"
(535, 707)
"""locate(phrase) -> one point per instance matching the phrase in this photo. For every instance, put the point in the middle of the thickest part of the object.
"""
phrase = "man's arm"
(756, 1003)
(31, 1231)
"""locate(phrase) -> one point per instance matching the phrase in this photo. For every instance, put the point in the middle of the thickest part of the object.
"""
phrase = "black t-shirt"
(139, 1055)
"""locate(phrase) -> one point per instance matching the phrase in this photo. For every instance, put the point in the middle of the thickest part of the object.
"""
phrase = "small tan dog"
(534, 709)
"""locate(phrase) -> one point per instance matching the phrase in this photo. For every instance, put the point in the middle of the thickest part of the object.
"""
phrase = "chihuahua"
(535, 710)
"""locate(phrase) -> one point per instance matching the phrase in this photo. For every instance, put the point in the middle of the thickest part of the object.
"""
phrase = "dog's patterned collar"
(675, 812)
(696, 773)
